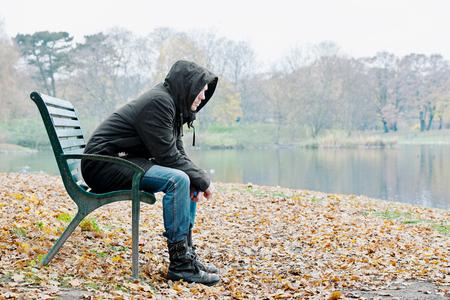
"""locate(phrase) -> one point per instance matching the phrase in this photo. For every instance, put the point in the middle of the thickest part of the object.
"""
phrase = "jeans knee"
(181, 178)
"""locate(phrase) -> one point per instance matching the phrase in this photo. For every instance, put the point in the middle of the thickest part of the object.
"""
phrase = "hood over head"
(185, 81)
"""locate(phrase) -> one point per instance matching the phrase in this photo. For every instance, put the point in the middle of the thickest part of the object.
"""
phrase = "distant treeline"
(314, 88)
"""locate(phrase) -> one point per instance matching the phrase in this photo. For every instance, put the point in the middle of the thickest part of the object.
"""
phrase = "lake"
(411, 174)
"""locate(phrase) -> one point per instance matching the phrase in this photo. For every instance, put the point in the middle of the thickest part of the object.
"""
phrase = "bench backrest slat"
(49, 100)
(55, 111)
(74, 151)
(64, 131)
(69, 132)
(72, 142)
(65, 122)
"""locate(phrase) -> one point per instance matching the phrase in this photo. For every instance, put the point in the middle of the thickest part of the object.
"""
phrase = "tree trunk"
(278, 129)
(385, 126)
(277, 138)
(51, 73)
(430, 122)
(431, 116)
(394, 126)
(52, 81)
(422, 120)
(315, 131)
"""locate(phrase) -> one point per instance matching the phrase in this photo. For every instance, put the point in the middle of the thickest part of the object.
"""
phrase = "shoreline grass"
(260, 136)
(12, 148)
(264, 136)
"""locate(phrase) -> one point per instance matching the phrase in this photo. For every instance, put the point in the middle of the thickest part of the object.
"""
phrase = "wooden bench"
(67, 141)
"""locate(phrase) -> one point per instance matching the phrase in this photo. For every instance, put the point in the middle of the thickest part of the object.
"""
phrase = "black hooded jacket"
(148, 131)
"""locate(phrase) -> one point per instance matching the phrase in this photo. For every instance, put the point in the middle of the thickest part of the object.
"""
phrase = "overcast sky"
(359, 27)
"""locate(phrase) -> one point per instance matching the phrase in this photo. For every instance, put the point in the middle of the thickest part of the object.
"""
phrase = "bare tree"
(324, 89)
(422, 82)
(356, 109)
(382, 81)
(109, 69)
(14, 84)
(174, 46)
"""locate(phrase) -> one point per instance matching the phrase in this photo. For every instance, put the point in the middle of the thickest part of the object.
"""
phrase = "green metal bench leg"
(62, 239)
(135, 207)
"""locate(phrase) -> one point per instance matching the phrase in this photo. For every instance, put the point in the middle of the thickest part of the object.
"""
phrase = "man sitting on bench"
(148, 131)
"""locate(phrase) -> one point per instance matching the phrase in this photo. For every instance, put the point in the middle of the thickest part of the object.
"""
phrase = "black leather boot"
(183, 265)
(209, 268)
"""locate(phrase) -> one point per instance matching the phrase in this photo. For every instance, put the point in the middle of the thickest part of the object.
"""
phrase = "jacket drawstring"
(191, 125)
(181, 124)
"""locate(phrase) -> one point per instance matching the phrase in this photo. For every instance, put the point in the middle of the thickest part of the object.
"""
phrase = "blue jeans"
(178, 209)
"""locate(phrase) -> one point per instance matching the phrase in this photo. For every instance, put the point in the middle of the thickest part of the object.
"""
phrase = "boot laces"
(193, 260)
(197, 261)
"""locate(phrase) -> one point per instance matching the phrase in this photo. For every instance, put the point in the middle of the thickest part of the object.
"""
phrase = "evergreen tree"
(48, 52)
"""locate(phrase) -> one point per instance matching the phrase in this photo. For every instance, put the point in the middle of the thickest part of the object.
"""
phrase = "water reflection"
(418, 175)
(25, 162)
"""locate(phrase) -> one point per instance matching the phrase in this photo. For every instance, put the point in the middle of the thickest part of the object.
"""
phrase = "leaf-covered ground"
(269, 242)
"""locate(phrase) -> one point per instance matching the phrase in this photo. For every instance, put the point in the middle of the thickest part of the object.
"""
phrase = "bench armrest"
(112, 159)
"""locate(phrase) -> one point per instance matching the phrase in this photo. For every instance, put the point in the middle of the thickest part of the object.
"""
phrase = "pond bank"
(11, 148)
(263, 137)
(268, 242)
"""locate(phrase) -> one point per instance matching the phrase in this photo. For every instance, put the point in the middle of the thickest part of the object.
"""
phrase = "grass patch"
(315, 199)
(26, 132)
(89, 224)
(64, 217)
(33, 278)
(279, 195)
(415, 221)
(442, 229)
(119, 248)
(243, 135)
(408, 219)
(257, 192)
(19, 232)
(92, 285)
(262, 193)
(391, 214)
(32, 263)
(101, 254)
(65, 282)
(122, 288)
(343, 139)
(266, 134)
(40, 224)
(6, 277)
(40, 258)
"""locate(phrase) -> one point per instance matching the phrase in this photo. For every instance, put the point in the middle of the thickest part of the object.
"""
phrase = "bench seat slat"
(64, 132)
(54, 111)
(72, 143)
(66, 122)
(56, 102)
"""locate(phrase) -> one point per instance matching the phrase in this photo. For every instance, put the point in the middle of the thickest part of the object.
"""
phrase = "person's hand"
(209, 192)
(195, 195)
